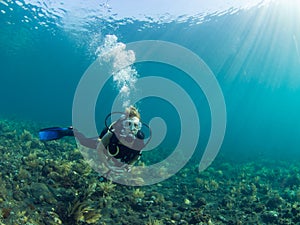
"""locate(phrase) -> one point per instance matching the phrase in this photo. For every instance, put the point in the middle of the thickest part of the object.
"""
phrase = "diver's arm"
(83, 140)
(89, 142)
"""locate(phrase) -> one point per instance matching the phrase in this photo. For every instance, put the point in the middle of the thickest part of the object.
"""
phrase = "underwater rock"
(187, 201)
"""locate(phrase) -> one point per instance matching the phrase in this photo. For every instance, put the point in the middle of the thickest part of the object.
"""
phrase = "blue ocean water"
(253, 53)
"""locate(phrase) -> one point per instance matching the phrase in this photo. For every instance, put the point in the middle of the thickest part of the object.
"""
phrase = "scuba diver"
(119, 145)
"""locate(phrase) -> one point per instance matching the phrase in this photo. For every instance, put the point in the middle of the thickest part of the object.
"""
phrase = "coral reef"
(51, 183)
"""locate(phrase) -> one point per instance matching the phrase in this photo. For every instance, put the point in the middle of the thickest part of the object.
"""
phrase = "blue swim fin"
(54, 133)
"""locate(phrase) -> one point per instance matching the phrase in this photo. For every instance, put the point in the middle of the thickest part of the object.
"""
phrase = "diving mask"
(132, 124)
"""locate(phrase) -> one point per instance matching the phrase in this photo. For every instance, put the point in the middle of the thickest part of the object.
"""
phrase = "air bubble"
(19, 3)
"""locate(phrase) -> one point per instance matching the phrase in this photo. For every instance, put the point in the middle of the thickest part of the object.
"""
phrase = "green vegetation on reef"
(51, 183)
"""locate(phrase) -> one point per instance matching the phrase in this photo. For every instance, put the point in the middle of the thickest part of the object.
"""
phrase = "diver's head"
(132, 125)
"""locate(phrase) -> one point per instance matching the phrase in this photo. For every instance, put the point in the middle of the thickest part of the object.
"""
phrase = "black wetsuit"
(122, 152)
